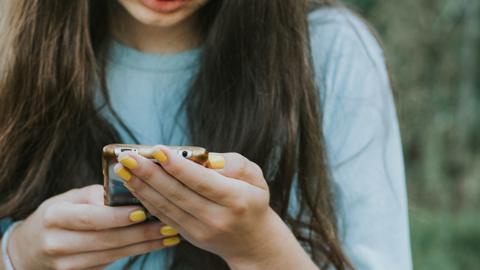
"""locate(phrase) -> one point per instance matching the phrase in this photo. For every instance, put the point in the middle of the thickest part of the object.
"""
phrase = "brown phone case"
(114, 192)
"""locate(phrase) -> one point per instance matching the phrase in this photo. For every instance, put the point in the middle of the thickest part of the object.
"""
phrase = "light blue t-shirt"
(360, 128)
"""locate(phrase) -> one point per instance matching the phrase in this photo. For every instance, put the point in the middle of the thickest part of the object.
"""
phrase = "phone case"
(114, 192)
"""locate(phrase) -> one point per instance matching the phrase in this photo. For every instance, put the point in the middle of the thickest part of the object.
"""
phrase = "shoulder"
(336, 31)
(344, 48)
(352, 80)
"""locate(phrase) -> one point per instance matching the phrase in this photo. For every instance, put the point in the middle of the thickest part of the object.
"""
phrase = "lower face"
(162, 13)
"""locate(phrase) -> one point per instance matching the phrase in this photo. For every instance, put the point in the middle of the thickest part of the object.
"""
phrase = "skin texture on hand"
(75, 230)
(225, 211)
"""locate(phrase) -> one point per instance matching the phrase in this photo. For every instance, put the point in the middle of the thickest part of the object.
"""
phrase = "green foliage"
(433, 48)
(443, 241)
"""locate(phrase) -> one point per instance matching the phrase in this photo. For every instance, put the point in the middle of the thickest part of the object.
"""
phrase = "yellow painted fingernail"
(138, 216)
(124, 174)
(216, 161)
(128, 162)
(171, 241)
(168, 231)
(160, 156)
(128, 187)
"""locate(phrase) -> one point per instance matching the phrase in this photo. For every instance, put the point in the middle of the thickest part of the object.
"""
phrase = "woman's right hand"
(75, 230)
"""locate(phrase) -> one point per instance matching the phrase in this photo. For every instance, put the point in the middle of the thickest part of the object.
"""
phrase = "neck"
(153, 39)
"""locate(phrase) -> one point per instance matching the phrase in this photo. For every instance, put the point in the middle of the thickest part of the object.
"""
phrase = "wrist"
(276, 248)
(262, 247)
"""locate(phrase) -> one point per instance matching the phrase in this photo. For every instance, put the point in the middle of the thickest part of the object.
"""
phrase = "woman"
(292, 95)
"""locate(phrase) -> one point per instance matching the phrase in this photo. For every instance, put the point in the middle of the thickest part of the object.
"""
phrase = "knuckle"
(202, 188)
(176, 195)
(163, 208)
(85, 220)
(221, 195)
(49, 216)
(204, 237)
(240, 207)
(51, 246)
(175, 169)
(146, 173)
(221, 226)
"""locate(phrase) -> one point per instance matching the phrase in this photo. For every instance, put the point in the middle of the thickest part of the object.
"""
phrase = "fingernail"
(129, 187)
(123, 173)
(168, 231)
(128, 162)
(216, 161)
(138, 216)
(171, 241)
(160, 156)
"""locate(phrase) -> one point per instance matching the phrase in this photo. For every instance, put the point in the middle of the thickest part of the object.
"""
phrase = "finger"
(239, 167)
(152, 210)
(185, 229)
(70, 242)
(90, 195)
(206, 182)
(161, 204)
(156, 181)
(92, 217)
(162, 217)
(94, 259)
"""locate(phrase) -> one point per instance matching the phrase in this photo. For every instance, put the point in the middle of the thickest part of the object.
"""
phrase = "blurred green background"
(433, 49)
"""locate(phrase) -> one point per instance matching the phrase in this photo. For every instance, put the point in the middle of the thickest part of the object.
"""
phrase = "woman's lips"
(164, 6)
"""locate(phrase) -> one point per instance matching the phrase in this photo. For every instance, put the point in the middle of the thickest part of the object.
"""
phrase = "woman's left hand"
(225, 211)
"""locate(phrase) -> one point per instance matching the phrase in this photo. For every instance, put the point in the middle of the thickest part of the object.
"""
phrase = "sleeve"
(362, 142)
(4, 224)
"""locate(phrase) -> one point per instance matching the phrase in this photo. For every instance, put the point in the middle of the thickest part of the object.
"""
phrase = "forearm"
(280, 250)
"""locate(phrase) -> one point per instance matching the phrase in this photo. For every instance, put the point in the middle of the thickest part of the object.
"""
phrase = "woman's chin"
(160, 20)
(158, 16)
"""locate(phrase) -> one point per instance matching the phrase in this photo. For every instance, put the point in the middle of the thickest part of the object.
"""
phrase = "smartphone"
(115, 193)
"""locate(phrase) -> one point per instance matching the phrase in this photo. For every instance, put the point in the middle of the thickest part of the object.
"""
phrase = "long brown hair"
(255, 76)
